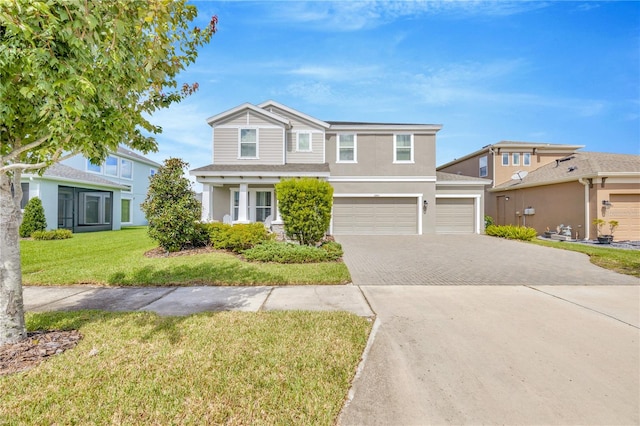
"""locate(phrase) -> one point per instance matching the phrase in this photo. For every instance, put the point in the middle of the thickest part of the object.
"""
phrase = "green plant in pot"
(602, 239)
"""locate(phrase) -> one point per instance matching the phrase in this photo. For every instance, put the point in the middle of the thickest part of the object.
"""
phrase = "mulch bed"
(35, 348)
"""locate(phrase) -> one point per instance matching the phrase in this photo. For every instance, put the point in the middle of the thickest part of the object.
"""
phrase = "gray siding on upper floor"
(226, 146)
(316, 155)
(248, 119)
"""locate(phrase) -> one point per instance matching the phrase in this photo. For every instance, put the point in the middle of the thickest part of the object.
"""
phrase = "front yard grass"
(214, 368)
(618, 260)
(117, 258)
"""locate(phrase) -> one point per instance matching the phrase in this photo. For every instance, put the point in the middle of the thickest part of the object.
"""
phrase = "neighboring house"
(545, 185)
(83, 197)
(383, 174)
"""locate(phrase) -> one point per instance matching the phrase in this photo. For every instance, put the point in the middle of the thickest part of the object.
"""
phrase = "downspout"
(493, 167)
(587, 223)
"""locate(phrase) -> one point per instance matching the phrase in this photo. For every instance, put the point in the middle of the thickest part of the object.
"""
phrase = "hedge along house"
(83, 197)
(575, 190)
(383, 174)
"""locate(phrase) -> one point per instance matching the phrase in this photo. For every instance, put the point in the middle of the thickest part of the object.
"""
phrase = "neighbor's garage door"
(455, 216)
(379, 215)
(625, 208)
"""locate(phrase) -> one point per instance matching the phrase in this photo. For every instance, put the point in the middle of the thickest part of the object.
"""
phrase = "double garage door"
(375, 215)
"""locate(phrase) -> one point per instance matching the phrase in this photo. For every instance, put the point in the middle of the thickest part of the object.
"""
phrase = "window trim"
(526, 159)
(395, 149)
(257, 143)
(304, 132)
(130, 221)
(355, 148)
(506, 156)
(251, 202)
(515, 159)
(485, 167)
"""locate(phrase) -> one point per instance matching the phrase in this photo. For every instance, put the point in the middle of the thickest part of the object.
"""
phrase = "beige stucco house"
(546, 185)
(383, 174)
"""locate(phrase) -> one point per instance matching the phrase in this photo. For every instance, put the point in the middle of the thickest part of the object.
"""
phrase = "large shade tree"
(81, 77)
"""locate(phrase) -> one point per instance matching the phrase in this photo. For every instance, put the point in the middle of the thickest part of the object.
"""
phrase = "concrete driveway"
(444, 351)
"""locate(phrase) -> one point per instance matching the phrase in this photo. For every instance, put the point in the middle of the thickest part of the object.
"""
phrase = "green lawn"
(117, 258)
(619, 260)
(214, 368)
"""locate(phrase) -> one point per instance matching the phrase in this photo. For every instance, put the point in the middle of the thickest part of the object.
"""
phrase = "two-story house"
(383, 174)
(84, 197)
(544, 185)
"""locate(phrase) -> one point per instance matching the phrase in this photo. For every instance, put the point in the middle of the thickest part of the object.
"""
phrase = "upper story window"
(126, 169)
(347, 148)
(248, 143)
(516, 159)
(505, 159)
(483, 166)
(113, 166)
(152, 172)
(93, 167)
(526, 159)
(403, 148)
(303, 142)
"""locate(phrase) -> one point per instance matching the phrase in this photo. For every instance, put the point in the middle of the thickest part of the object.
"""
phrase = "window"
(248, 143)
(25, 194)
(236, 204)
(346, 148)
(505, 159)
(152, 172)
(111, 166)
(403, 149)
(95, 208)
(93, 168)
(516, 159)
(126, 169)
(304, 142)
(125, 211)
(483, 166)
(526, 159)
(263, 205)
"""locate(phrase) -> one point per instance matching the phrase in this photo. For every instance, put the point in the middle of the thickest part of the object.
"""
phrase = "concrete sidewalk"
(189, 300)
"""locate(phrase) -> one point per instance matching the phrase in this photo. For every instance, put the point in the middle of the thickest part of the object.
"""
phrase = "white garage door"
(379, 215)
(455, 216)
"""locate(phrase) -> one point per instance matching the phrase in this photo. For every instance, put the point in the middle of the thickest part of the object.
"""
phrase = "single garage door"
(375, 215)
(625, 208)
(455, 216)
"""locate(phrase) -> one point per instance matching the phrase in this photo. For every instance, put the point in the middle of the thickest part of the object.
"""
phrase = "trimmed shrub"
(172, 209)
(333, 249)
(56, 234)
(237, 238)
(280, 252)
(488, 220)
(33, 219)
(305, 207)
(511, 232)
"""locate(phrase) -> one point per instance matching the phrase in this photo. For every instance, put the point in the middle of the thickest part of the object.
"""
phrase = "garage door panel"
(455, 215)
(625, 208)
(375, 215)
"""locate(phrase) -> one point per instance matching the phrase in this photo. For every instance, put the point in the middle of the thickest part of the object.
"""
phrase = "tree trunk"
(12, 328)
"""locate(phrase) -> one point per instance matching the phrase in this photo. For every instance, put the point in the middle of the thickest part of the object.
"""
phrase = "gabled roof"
(512, 145)
(125, 152)
(576, 166)
(251, 107)
(271, 103)
(60, 172)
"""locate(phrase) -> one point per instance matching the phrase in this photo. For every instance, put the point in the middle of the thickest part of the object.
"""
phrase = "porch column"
(243, 203)
(207, 209)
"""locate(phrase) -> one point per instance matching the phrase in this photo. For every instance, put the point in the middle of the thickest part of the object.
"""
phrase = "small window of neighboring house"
(505, 159)
(403, 149)
(347, 148)
(126, 169)
(248, 143)
(25, 194)
(93, 168)
(152, 172)
(526, 159)
(303, 141)
(483, 166)
(516, 159)
(111, 166)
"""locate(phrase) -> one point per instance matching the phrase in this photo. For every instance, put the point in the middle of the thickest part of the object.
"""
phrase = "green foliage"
(172, 209)
(279, 252)
(512, 232)
(237, 238)
(56, 234)
(488, 220)
(33, 219)
(305, 206)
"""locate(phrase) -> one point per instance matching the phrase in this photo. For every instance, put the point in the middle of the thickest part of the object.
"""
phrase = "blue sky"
(557, 72)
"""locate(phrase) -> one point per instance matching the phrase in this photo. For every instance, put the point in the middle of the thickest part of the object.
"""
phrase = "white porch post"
(243, 203)
(207, 208)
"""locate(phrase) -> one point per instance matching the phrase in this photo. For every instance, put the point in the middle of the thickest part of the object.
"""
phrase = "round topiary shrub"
(33, 218)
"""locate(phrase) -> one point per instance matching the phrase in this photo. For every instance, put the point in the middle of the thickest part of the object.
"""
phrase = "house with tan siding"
(557, 185)
(383, 174)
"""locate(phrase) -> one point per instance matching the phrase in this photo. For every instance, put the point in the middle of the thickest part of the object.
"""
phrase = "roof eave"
(213, 119)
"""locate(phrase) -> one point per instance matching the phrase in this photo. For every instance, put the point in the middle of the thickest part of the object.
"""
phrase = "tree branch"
(15, 153)
(57, 157)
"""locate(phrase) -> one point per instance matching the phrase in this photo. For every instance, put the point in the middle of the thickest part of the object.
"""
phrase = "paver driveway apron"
(467, 259)
(445, 351)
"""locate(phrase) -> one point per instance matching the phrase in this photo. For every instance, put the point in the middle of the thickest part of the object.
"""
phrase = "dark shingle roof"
(134, 155)
(61, 171)
(452, 177)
